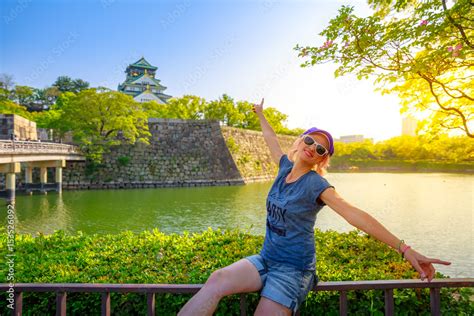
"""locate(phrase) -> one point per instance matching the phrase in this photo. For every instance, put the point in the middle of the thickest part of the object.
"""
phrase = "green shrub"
(242, 160)
(123, 160)
(155, 257)
(92, 168)
(232, 145)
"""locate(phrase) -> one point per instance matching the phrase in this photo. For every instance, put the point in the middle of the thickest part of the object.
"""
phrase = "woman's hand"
(258, 108)
(422, 264)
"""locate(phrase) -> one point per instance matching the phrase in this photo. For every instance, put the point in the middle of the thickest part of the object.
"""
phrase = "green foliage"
(123, 160)
(420, 50)
(32, 98)
(154, 257)
(67, 84)
(23, 94)
(229, 112)
(68, 105)
(243, 159)
(10, 107)
(92, 168)
(232, 145)
(439, 148)
(96, 117)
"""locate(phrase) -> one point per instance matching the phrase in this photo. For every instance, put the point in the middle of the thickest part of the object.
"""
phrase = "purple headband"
(329, 137)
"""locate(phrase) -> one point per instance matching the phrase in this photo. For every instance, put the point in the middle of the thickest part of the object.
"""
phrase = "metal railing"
(32, 147)
(150, 290)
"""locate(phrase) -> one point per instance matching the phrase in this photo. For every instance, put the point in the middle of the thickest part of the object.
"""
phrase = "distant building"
(352, 139)
(13, 125)
(409, 124)
(141, 83)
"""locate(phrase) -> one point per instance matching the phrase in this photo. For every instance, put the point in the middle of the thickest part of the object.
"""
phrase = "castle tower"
(141, 83)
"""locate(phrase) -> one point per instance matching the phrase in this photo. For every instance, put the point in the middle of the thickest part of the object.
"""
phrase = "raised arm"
(268, 134)
(364, 221)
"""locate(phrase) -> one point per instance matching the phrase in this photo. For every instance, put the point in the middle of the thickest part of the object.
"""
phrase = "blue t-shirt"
(291, 214)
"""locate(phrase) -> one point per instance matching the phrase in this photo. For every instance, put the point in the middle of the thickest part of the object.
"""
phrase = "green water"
(432, 212)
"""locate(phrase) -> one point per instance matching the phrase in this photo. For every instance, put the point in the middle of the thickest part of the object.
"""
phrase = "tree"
(97, 116)
(249, 119)
(45, 98)
(53, 117)
(23, 95)
(10, 107)
(276, 119)
(67, 84)
(6, 86)
(155, 109)
(223, 110)
(420, 50)
(188, 107)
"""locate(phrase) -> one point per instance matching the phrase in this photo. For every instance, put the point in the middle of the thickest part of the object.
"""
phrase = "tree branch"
(463, 118)
(459, 27)
(445, 88)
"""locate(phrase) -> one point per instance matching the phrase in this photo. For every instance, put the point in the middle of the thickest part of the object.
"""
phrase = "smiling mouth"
(308, 154)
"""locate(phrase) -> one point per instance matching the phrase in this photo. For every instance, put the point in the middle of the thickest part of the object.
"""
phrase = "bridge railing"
(33, 147)
(150, 290)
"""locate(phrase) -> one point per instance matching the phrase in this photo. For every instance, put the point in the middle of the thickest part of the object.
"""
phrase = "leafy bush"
(232, 145)
(123, 160)
(155, 257)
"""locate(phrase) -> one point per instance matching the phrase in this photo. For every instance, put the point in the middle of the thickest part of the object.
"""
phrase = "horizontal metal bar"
(103, 287)
(393, 284)
(194, 288)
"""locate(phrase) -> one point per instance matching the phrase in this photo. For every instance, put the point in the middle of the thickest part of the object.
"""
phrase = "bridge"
(34, 154)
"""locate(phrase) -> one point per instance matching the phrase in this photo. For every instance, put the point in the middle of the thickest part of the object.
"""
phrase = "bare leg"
(269, 307)
(239, 277)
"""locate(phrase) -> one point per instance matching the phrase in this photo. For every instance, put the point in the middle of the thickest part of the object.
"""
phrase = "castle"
(141, 83)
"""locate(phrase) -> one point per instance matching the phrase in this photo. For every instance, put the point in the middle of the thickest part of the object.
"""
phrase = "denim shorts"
(283, 283)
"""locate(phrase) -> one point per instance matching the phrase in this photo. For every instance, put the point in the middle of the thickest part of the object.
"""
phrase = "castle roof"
(143, 63)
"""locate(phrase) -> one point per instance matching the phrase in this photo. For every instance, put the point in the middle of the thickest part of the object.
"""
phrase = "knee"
(217, 277)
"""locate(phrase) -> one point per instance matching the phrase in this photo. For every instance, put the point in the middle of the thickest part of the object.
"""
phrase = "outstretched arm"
(268, 134)
(364, 221)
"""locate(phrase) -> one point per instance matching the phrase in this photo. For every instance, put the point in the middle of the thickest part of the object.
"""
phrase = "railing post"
(18, 307)
(61, 303)
(389, 302)
(105, 304)
(243, 305)
(151, 304)
(435, 301)
(342, 303)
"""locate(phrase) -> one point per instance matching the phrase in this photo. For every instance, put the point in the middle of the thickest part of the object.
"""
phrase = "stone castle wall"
(181, 153)
(251, 154)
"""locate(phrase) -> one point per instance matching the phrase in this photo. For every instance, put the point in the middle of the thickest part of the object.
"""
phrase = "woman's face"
(308, 154)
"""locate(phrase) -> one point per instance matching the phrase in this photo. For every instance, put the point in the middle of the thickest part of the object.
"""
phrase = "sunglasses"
(320, 149)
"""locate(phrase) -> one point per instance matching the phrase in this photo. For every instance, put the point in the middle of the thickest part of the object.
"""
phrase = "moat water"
(432, 212)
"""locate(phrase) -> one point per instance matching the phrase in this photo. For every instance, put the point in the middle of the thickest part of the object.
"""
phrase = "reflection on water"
(432, 212)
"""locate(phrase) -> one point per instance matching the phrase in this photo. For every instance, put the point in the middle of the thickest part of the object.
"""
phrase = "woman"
(284, 270)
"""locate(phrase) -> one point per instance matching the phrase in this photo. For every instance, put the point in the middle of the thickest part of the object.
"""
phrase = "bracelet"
(403, 252)
(400, 244)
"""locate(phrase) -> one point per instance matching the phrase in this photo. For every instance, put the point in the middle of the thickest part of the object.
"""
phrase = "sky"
(241, 48)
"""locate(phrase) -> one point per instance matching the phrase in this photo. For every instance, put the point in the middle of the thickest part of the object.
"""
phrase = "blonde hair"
(320, 168)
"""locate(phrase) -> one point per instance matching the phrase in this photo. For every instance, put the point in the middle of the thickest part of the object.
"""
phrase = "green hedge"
(155, 257)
